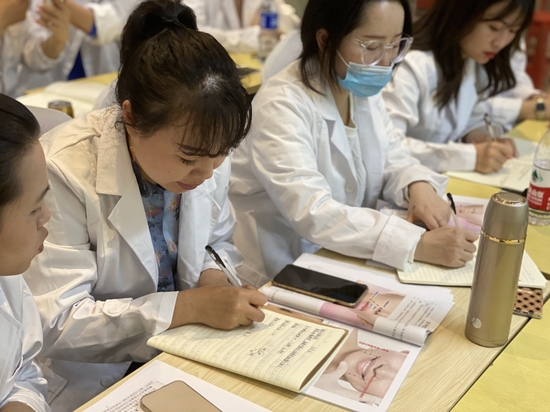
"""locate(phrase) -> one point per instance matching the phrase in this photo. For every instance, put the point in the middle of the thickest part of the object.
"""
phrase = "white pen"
(227, 269)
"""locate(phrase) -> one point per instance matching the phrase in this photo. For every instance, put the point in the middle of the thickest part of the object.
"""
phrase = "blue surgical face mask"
(364, 81)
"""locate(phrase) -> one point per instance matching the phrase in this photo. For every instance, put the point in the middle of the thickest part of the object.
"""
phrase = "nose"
(204, 169)
(385, 61)
(45, 217)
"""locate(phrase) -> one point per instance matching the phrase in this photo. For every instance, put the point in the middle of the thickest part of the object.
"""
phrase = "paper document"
(282, 350)
(366, 373)
(126, 398)
(514, 175)
(424, 273)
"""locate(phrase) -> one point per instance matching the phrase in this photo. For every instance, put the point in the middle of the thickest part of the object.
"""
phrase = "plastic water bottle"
(538, 194)
(269, 22)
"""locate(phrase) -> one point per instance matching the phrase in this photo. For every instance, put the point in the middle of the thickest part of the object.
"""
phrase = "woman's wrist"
(81, 17)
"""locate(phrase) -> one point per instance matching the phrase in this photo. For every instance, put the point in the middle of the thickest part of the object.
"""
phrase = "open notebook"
(282, 350)
(514, 175)
(424, 273)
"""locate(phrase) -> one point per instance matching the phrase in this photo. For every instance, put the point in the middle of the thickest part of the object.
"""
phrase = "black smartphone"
(319, 285)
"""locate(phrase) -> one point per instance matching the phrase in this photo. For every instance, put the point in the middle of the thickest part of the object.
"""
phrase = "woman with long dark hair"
(462, 53)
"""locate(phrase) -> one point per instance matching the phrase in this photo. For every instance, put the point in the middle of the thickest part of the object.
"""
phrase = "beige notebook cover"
(283, 350)
(424, 273)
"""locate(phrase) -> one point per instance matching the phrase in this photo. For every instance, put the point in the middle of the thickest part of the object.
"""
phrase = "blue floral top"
(162, 209)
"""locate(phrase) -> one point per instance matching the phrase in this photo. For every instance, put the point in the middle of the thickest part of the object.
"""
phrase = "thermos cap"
(506, 217)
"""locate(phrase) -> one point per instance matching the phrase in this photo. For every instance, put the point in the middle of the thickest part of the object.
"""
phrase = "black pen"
(227, 269)
(453, 209)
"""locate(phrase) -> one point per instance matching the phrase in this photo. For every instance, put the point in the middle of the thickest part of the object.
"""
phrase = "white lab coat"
(21, 45)
(504, 108)
(100, 54)
(297, 183)
(96, 281)
(20, 341)
(433, 135)
(220, 18)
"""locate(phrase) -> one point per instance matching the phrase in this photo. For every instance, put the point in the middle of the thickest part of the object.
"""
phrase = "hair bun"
(153, 16)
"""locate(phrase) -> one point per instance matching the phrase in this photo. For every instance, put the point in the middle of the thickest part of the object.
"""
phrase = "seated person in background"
(462, 55)
(24, 42)
(137, 192)
(23, 184)
(94, 34)
(518, 103)
(320, 153)
(235, 23)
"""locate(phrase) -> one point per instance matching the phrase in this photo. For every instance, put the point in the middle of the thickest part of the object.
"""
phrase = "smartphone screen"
(317, 284)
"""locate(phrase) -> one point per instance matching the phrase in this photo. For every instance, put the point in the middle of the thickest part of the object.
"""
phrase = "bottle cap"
(506, 217)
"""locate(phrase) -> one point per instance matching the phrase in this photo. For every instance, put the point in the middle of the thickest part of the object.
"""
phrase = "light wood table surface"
(250, 82)
(446, 368)
(519, 378)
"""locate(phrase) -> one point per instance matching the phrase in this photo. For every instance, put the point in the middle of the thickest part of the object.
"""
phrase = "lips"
(490, 55)
(188, 187)
(364, 366)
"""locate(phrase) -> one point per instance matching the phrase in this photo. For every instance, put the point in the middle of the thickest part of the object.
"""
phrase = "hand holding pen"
(453, 210)
(225, 268)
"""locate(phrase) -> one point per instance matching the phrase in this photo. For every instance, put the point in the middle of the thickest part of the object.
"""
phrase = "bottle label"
(538, 195)
(269, 21)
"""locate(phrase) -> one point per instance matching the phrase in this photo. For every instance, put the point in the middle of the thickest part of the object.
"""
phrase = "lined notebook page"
(515, 173)
(424, 273)
(282, 350)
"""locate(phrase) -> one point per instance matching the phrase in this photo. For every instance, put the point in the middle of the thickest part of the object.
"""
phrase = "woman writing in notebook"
(320, 153)
(23, 184)
(462, 55)
(137, 192)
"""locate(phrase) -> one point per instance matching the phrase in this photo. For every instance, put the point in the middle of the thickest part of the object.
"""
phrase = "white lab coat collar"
(467, 96)
(327, 107)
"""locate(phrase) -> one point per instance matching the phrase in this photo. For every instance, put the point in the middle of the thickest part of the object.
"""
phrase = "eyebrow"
(43, 194)
(368, 36)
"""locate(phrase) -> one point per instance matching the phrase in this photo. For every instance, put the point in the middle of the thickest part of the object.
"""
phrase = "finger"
(249, 287)
(410, 214)
(256, 298)
(254, 315)
(469, 247)
(432, 223)
(466, 257)
(469, 235)
(506, 148)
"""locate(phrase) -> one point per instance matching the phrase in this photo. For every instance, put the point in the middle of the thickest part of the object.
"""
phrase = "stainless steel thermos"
(497, 268)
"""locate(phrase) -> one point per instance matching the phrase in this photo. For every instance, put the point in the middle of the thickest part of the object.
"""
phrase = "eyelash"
(188, 162)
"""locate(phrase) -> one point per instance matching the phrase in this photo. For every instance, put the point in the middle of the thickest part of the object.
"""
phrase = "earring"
(133, 153)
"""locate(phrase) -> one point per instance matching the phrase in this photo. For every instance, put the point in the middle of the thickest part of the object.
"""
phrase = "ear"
(322, 38)
(127, 112)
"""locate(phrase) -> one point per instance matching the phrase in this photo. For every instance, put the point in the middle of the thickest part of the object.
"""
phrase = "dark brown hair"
(443, 27)
(174, 75)
(339, 18)
(19, 131)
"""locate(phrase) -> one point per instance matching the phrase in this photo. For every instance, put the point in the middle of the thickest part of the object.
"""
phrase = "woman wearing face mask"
(462, 55)
(23, 184)
(137, 192)
(319, 154)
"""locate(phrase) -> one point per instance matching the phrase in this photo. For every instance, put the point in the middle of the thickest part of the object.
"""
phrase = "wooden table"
(519, 378)
(446, 368)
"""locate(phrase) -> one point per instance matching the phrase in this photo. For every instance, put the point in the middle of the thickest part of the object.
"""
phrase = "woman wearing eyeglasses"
(319, 154)
(463, 51)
